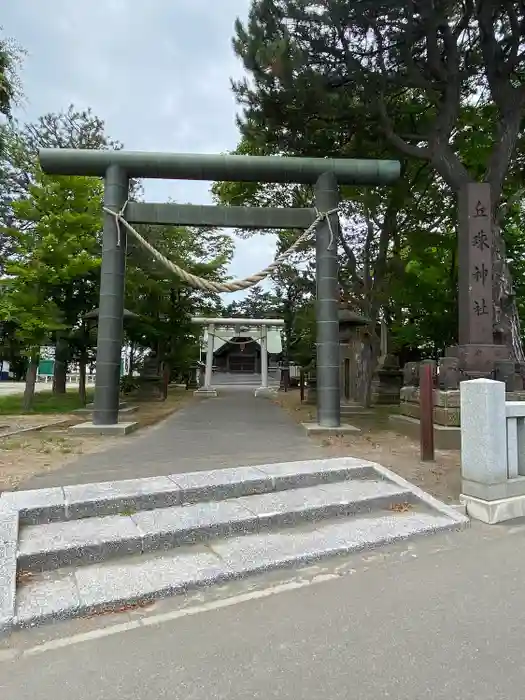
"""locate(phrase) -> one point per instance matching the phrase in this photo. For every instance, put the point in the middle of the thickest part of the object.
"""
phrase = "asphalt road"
(9, 388)
(442, 618)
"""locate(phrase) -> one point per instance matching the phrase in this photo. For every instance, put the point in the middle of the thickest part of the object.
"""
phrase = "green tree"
(53, 273)
(346, 67)
(10, 88)
(71, 128)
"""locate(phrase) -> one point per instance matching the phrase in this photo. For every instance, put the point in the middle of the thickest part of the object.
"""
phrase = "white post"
(484, 467)
(209, 357)
(264, 357)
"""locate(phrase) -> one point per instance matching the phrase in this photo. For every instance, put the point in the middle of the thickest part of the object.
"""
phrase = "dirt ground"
(26, 454)
(377, 442)
(10, 424)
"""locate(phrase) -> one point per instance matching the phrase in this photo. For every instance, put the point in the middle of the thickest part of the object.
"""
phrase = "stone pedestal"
(478, 361)
(447, 399)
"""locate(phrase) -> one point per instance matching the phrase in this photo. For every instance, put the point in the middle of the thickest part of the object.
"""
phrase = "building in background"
(237, 350)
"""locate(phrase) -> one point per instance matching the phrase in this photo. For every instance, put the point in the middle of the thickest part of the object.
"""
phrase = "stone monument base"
(477, 361)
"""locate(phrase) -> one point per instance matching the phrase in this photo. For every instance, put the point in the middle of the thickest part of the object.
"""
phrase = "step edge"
(58, 509)
(146, 542)
(229, 574)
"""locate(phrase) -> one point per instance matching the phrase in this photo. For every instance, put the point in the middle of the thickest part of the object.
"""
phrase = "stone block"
(110, 497)
(496, 511)
(170, 527)
(446, 399)
(8, 545)
(51, 596)
(117, 429)
(47, 547)
(37, 505)
(483, 431)
(447, 416)
(511, 488)
(449, 373)
(219, 484)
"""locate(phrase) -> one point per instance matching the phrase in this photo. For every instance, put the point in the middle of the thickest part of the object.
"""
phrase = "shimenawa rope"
(218, 287)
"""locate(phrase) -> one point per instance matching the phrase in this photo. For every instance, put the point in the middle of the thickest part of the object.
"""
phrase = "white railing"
(515, 414)
(70, 378)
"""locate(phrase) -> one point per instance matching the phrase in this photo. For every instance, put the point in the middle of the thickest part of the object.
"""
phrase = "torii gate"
(117, 167)
(213, 323)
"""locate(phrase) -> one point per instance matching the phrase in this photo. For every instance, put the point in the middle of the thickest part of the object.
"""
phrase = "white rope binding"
(218, 287)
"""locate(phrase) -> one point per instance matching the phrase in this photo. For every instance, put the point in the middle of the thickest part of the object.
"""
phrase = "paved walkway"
(235, 429)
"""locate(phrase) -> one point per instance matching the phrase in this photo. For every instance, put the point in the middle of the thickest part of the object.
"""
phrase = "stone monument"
(476, 355)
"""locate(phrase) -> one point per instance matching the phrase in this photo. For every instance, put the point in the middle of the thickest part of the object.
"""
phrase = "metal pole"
(264, 357)
(327, 235)
(209, 356)
(111, 305)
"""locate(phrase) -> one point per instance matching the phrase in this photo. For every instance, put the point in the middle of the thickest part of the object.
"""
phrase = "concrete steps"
(53, 545)
(240, 379)
(95, 547)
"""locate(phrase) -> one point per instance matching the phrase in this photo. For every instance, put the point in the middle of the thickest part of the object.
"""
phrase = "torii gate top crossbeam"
(239, 321)
(235, 168)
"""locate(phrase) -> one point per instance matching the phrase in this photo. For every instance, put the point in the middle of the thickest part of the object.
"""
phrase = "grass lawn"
(44, 402)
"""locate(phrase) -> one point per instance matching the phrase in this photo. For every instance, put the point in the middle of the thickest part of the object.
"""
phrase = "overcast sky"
(157, 71)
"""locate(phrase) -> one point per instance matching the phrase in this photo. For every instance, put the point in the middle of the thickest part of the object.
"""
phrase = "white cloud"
(158, 72)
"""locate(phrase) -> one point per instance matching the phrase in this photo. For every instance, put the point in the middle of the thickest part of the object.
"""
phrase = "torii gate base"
(118, 167)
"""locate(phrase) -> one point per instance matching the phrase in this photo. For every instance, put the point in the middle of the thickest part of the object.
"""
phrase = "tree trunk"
(31, 374)
(369, 357)
(82, 379)
(60, 368)
(506, 319)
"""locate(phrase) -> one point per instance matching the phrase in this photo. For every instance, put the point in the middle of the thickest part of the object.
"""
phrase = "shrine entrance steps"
(85, 549)
(242, 379)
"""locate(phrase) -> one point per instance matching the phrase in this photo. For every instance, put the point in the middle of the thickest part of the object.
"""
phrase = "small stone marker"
(483, 432)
